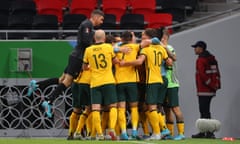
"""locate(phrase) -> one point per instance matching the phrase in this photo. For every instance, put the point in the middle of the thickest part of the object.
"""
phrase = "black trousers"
(204, 106)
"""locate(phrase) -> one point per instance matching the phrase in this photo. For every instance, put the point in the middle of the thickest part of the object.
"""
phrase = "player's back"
(127, 73)
(99, 57)
(155, 55)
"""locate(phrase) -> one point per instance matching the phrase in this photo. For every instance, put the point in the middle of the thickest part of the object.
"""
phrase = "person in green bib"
(171, 105)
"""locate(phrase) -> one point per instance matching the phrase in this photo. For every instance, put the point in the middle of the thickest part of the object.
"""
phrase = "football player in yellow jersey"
(100, 57)
(127, 92)
(80, 99)
(153, 56)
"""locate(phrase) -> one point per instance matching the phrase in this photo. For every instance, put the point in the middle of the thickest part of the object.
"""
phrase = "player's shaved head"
(99, 36)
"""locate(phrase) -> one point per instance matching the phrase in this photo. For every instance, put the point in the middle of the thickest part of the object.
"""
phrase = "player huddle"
(115, 85)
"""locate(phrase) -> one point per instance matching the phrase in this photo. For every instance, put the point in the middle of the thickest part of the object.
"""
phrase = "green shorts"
(153, 93)
(172, 98)
(80, 95)
(142, 92)
(163, 90)
(104, 95)
(127, 92)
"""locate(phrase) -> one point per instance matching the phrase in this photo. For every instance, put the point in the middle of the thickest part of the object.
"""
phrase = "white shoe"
(100, 137)
(154, 137)
(108, 137)
(78, 136)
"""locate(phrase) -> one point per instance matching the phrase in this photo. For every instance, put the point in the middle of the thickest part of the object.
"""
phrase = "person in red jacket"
(205, 91)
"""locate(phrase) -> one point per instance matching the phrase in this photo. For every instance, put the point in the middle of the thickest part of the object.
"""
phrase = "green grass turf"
(64, 141)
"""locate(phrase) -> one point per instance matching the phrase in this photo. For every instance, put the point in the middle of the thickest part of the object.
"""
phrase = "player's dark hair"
(109, 39)
(126, 36)
(97, 12)
(151, 32)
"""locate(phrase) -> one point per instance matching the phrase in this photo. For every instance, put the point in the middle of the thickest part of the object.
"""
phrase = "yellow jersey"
(127, 74)
(155, 54)
(84, 77)
(99, 57)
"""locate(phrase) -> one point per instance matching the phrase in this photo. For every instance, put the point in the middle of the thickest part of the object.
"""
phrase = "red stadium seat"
(65, 3)
(84, 7)
(143, 7)
(158, 20)
(51, 7)
(128, 2)
(115, 7)
(36, 1)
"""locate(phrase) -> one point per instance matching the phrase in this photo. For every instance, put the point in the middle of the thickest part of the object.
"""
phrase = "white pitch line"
(137, 142)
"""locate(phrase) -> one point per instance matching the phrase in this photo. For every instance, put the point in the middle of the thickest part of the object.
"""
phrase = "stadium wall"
(222, 38)
(49, 59)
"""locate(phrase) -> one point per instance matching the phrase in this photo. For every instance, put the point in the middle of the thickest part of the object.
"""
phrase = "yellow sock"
(96, 122)
(180, 126)
(154, 121)
(170, 126)
(93, 132)
(121, 120)
(135, 117)
(117, 130)
(73, 123)
(81, 122)
(112, 118)
(144, 121)
(105, 118)
(162, 122)
(90, 128)
(89, 124)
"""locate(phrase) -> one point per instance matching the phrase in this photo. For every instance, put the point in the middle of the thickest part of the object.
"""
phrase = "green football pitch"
(64, 141)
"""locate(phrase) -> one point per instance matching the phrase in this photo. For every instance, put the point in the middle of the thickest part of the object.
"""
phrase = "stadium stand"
(65, 3)
(143, 7)
(44, 22)
(72, 22)
(158, 20)
(190, 6)
(4, 7)
(109, 22)
(22, 7)
(132, 21)
(118, 8)
(51, 7)
(83, 7)
(3, 21)
(19, 22)
(3, 25)
(181, 11)
(176, 8)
